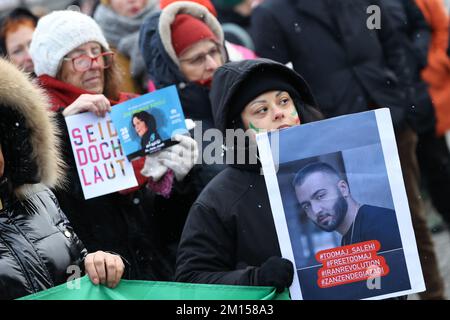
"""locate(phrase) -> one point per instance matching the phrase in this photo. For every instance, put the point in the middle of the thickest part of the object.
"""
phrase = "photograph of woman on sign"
(145, 125)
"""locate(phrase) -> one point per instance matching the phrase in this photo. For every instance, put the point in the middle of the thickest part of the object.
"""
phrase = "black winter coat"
(349, 67)
(230, 230)
(37, 244)
(409, 22)
(141, 226)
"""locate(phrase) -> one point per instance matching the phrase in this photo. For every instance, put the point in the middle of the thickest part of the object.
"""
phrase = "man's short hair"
(311, 168)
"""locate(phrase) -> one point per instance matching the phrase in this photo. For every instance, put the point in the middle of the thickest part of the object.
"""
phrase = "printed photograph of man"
(327, 201)
(324, 212)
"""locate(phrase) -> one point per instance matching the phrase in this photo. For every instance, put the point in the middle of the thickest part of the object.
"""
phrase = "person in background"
(120, 21)
(436, 73)
(235, 17)
(237, 49)
(78, 71)
(37, 242)
(16, 31)
(352, 68)
(183, 45)
(85, 6)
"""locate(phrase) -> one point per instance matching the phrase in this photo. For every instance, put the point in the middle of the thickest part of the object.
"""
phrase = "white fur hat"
(57, 34)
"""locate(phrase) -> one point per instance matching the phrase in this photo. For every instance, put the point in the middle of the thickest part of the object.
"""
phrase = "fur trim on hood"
(168, 15)
(19, 94)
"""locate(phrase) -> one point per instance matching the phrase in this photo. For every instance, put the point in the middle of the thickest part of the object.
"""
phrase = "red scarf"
(205, 83)
(62, 94)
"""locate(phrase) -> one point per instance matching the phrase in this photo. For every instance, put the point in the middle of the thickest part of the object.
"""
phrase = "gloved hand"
(180, 157)
(153, 168)
(276, 272)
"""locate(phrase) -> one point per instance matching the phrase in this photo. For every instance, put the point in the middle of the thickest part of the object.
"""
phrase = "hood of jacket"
(155, 41)
(233, 74)
(28, 132)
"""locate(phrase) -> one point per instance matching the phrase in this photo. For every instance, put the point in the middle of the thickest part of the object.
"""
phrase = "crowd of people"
(236, 64)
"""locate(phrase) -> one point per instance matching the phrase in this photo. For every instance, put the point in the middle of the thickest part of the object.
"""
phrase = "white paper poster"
(101, 163)
(340, 208)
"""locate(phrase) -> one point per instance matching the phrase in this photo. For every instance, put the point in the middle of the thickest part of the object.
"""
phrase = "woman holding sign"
(230, 236)
(74, 64)
(37, 242)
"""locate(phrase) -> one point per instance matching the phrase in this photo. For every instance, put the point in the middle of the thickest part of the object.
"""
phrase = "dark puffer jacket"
(37, 244)
(230, 230)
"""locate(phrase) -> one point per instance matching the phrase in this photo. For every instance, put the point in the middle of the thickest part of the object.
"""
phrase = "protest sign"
(146, 124)
(101, 162)
(340, 208)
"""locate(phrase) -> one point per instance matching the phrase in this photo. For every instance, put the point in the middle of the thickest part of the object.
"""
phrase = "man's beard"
(340, 210)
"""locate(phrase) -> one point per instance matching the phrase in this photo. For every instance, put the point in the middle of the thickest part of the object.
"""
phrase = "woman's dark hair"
(148, 118)
(150, 122)
(307, 112)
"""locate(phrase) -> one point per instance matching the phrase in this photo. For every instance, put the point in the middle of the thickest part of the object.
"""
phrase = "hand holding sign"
(276, 272)
(95, 103)
(146, 124)
(153, 167)
(180, 157)
(101, 163)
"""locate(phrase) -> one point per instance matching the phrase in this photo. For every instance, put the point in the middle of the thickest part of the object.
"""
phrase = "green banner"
(83, 289)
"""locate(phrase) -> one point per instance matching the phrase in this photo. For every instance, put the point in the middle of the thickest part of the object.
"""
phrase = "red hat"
(206, 3)
(187, 30)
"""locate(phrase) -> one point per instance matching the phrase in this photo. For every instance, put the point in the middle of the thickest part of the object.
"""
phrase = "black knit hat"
(236, 83)
(256, 84)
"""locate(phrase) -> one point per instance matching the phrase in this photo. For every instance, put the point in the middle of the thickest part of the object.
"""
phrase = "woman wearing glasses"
(182, 45)
(74, 64)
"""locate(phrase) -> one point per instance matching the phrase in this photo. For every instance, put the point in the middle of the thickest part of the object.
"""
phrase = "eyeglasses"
(84, 62)
(200, 59)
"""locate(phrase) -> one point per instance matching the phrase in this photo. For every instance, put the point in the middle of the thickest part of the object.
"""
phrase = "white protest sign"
(101, 163)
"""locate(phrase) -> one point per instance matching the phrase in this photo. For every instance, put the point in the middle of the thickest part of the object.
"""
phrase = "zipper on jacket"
(19, 261)
(44, 267)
